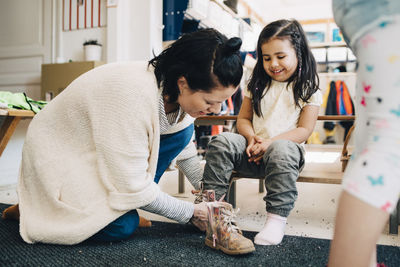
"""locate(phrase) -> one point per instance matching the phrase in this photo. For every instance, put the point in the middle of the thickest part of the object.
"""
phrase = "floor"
(313, 215)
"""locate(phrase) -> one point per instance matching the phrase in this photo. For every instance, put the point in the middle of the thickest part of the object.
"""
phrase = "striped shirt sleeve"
(171, 208)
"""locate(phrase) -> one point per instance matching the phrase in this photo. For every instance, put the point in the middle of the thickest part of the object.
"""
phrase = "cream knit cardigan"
(90, 155)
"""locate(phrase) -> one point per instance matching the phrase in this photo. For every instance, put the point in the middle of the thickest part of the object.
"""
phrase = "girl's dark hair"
(204, 58)
(305, 79)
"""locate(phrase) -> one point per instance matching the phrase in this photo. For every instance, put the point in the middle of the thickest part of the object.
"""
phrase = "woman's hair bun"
(232, 46)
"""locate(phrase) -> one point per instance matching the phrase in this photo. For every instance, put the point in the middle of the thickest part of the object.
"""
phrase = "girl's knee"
(283, 147)
(222, 140)
(284, 153)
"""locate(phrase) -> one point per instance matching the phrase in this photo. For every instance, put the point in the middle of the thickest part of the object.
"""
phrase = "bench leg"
(394, 220)
(261, 186)
(181, 183)
(8, 127)
(231, 197)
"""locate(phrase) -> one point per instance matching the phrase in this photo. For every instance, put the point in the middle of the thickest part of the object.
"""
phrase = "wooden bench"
(320, 172)
(310, 174)
(9, 119)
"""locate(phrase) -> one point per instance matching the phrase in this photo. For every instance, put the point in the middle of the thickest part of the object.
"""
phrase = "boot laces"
(228, 217)
(204, 195)
(199, 196)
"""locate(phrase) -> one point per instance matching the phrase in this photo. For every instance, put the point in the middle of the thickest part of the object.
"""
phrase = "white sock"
(273, 231)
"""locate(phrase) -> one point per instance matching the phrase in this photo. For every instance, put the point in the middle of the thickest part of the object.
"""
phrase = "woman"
(93, 155)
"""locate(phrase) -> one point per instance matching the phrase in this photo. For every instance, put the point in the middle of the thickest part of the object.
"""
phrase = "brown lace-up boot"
(222, 232)
(204, 195)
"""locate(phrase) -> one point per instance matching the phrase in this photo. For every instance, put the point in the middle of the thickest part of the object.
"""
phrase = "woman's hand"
(200, 216)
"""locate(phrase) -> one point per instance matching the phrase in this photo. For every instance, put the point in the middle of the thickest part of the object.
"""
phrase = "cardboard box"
(56, 77)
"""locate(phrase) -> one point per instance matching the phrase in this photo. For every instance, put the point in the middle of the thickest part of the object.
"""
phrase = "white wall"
(68, 45)
(25, 43)
(72, 42)
(134, 30)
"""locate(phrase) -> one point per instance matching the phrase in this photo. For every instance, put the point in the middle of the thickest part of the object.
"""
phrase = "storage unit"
(56, 77)
(327, 44)
(183, 16)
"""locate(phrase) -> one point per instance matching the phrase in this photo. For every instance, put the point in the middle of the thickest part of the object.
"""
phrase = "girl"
(372, 180)
(278, 114)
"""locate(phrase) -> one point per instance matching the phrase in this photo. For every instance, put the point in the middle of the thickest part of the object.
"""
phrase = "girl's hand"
(258, 150)
(257, 159)
(250, 145)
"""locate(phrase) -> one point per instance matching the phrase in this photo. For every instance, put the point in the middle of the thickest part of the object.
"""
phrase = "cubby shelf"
(325, 54)
(199, 10)
(207, 14)
(327, 44)
(336, 74)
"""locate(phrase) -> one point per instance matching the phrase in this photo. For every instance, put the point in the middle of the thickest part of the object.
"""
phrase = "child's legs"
(358, 226)
(120, 229)
(170, 146)
(283, 161)
(225, 153)
(374, 173)
(372, 180)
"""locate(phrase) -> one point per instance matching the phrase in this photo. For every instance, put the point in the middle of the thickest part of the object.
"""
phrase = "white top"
(279, 111)
(91, 155)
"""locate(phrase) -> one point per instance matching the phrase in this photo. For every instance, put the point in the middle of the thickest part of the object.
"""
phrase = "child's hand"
(250, 145)
(258, 150)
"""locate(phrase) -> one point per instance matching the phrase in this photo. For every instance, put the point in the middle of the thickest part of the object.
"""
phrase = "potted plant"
(92, 50)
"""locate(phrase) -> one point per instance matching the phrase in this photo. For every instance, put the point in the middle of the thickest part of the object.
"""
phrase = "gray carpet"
(166, 244)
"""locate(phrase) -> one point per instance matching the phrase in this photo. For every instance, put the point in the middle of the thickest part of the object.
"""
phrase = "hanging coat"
(339, 103)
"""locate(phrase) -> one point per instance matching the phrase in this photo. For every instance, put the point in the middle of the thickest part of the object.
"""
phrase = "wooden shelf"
(336, 74)
(327, 45)
(335, 61)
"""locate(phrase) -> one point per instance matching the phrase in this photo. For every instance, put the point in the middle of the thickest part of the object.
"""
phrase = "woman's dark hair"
(204, 58)
(305, 79)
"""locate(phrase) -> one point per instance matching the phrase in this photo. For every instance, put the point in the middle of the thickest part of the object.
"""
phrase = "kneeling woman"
(93, 155)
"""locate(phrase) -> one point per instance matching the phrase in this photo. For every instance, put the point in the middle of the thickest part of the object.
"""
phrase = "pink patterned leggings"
(373, 174)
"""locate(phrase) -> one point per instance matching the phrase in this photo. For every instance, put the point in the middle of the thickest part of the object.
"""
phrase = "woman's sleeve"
(170, 207)
(189, 163)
